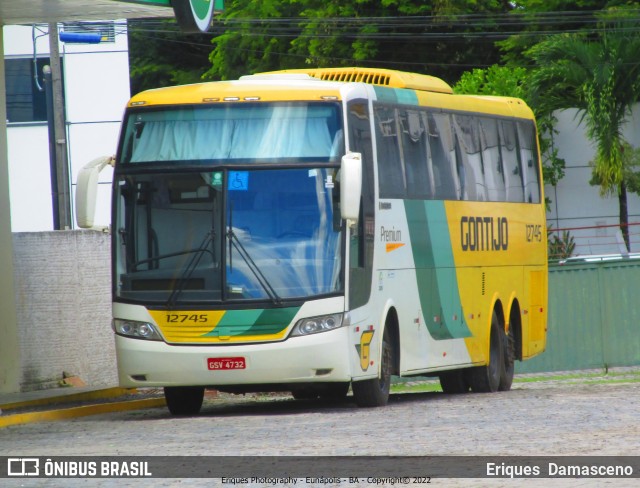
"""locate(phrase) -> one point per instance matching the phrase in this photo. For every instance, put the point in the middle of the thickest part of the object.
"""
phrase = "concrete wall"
(63, 303)
(577, 205)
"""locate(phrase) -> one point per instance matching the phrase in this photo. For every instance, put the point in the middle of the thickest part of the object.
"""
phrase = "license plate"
(216, 364)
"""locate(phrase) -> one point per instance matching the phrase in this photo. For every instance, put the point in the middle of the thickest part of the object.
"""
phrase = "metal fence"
(594, 317)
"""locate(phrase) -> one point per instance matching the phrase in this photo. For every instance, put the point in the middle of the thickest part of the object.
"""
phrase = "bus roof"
(377, 76)
(246, 89)
(325, 84)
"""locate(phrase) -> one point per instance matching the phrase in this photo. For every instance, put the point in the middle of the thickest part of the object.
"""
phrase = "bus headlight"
(314, 325)
(139, 330)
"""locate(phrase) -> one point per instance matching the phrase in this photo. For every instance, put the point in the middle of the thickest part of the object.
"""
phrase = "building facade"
(591, 219)
(95, 80)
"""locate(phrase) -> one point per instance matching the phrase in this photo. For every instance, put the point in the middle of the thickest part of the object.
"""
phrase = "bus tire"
(375, 392)
(184, 400)
(486, 379)
(453, 382)
(508, 364)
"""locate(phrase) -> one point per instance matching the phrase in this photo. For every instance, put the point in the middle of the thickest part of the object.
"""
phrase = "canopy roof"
(45, 11)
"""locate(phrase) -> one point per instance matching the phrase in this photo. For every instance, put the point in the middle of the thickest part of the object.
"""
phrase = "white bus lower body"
(317, 358)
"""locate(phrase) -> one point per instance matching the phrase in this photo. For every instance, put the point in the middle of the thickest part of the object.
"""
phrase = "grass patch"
(591, 378)
(603, 376)
(427, 386)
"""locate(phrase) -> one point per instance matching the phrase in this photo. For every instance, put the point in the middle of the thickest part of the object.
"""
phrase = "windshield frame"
(173, 299)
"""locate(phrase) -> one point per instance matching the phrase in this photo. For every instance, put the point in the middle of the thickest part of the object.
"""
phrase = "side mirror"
(351, 186)
(87, 190)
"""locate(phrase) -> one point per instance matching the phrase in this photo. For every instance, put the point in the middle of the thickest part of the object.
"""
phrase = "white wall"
(96, 78)
(63, 304)
(575, 204)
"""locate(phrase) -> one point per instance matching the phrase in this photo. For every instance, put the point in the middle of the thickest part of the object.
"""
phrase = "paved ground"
(557, 417)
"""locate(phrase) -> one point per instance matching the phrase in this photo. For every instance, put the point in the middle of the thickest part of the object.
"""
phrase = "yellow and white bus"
(312, 230)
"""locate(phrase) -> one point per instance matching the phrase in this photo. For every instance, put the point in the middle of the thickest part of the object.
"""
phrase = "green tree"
(255, 35)
(600, 76)
(160, 55)
(411, 35)
(537, 19)
(495, 80)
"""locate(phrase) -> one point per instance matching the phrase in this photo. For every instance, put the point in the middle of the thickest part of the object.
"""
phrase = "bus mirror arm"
(351, 187)
(87, 190)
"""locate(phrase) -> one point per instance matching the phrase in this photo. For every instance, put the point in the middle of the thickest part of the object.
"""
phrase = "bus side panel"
(505, 243)
(415, 274)
(536, 283)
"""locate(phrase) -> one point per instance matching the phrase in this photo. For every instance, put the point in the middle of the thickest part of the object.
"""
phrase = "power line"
(397, 29)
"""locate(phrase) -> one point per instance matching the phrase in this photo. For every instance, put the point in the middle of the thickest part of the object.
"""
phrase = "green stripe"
(435, 270)
(253, 322)
(274, 319)
(395, 95)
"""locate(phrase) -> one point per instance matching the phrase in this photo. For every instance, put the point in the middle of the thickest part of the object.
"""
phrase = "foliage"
(246, 46)
(495, 80)
(600, 77)
(165, 56)
(561, 246)
(269, 34)
(631, 165)
(541, 18)
(630, 168)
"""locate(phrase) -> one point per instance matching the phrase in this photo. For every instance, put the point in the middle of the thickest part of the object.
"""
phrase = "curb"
(59, 412)
(69, 398)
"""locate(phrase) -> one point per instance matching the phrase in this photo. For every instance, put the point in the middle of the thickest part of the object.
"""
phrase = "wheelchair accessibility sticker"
(238, 180)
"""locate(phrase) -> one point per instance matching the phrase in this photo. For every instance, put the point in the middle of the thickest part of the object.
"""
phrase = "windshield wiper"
(234, 241)
(191, 266)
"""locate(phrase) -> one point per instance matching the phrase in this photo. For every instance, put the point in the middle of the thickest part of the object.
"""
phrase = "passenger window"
(492, 160)
(390, 171)
(468, 137)
(511, 161)
(529, 160)
(414, 154)
(442, 157)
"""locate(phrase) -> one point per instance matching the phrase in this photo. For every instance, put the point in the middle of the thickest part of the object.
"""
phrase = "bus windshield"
(219, 235)
(235, 132)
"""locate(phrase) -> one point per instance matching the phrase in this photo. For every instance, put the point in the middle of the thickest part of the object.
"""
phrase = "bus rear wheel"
(375, 392)
(184, 400)
(486, 379)
(508, 364)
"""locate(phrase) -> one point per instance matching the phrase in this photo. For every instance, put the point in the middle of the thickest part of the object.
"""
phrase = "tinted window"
(25, 102)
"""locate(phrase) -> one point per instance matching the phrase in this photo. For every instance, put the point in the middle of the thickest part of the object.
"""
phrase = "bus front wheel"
(375, 392)
(184, 400)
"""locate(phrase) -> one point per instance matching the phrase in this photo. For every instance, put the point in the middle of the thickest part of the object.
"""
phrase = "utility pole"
(60, 186)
